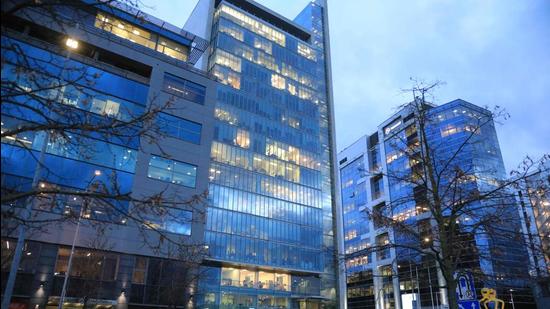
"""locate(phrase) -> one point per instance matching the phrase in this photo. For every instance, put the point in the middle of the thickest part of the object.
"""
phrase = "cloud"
(491, 52)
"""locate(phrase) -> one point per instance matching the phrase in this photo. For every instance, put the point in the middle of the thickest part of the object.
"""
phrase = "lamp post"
(75, 238)
(512, 299)
(8, 291)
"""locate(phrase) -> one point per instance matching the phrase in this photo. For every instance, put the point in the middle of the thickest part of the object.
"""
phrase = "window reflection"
(184, 88)
(172, 171)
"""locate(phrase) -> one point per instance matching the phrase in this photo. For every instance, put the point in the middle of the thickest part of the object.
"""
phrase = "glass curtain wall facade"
(269, 229)
(402, 277)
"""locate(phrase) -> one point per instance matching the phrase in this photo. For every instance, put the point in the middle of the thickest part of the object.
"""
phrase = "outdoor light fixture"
(97, 172)
(71, 43)
(42, 284)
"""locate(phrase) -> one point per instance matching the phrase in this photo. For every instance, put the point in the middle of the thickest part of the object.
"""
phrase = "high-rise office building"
(534, 202)
(374, 180)
(260, 140)
(270, 227)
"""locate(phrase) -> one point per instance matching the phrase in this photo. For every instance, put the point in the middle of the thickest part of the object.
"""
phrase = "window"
(242, 139)
(141, 36)
(382, 241)
(125, 30)
(172, 49)
(176, 172)
(263, 45)
(87, 264)
(278, 81)
(226, 59)
(227, 76)
(173, 220)
(183, 88)
(253, 25)
(306, 51)
(255, 280)
(140, 270)
(231, 29)
(449, 130)
(183, 129)
(392, 126)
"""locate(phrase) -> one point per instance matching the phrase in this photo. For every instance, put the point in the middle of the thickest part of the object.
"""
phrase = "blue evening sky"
(490, 52)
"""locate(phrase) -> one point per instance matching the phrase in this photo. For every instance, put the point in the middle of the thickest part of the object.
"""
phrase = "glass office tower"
(270, 225)
(397, 276)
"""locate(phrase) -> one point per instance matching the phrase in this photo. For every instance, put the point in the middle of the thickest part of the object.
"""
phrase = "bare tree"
(451, 209)
(49, 106)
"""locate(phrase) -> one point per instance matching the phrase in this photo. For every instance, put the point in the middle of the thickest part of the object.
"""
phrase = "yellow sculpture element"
(490, 296)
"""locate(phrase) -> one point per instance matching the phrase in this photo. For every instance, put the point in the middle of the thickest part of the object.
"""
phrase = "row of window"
(244, 278)
(251, 24)
(141, 36)
(238, 109)
(260, 55)
(53, 67)
(68, 172)
(255, 251)
(285, 78)
(241, 137)
(73, 146)
(255, 204)
(259, 28)
(262, 164)
(249, 181)
(79, 97)
(262, 228)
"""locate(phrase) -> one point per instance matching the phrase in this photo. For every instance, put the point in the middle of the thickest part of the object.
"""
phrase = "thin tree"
(47, 107)
(454, 212)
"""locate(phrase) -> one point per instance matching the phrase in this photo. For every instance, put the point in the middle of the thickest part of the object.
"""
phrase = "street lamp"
(75, 238)
(512, 299)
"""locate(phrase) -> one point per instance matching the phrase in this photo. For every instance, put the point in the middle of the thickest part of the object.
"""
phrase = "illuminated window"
(449, 130)
(125, 30)
(141, 36)
(288, 71)
(253, 25)
(262, 44)
(231, 29)
(278, 81)
(105, 107)
(304, 93)
(306, 51)
(255, 279)
(393, 156)
(242, 139)
(226, 59)
(267, 61)
(292, 89)
(172, 49)
(227, 77)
